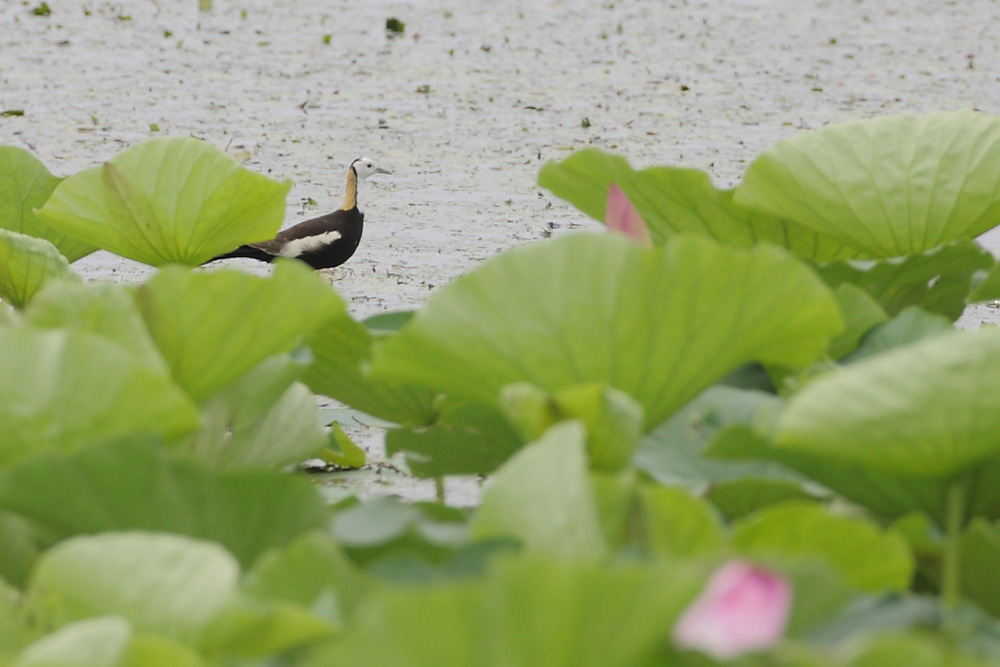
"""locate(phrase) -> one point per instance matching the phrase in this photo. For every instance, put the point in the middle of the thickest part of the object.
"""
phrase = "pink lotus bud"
(743, 608)
(622, 217)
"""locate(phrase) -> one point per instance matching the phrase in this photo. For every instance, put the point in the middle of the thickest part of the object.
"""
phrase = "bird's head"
(364, 167)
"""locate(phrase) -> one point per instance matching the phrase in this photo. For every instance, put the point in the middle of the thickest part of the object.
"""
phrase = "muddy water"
(467, 103)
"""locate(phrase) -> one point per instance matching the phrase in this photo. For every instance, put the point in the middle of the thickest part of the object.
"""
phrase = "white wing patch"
(298, 247)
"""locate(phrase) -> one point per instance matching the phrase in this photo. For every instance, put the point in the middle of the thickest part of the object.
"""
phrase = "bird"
(324, 242)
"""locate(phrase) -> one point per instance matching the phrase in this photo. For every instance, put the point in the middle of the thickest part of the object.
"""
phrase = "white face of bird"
(364, 168)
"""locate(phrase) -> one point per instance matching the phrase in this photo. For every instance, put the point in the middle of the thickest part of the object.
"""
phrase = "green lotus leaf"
(94, 642)
(341, 352)
(168, 200)
(168, 585)
(265, 419)
(25, 184)
(672, 453)
(64, 389)
(870, 559)
(911, 325)
(892, 186)
(134, 485)
(213, 327)
(467, 439)
(105, 309)
(529, 612)
(887, 494)
(861, 313)
(660, 324)
(938, 280)
(921, 410)
(522, 502)
(980, 558)
(26, 265)
(673, 200)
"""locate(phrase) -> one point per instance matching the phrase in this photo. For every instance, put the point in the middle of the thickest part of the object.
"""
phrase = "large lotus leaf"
(168, 200)
(63, 389)
(658, 324)
(911, 325)
(214, 327)
(532, 612)
(522, 502)
(168, 585)
(891, 186)
(26, 265)
(885, 493)
(673, 200)
(341, 351)
(924, 410)
(937, 280)
(134, 486)
(104, 309)
(870, 559)
(25, 184)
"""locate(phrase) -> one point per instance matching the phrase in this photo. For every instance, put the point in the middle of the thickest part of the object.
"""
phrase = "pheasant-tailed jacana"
(323, 242)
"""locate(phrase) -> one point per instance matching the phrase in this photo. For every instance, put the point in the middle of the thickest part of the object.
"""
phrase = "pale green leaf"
(105, 309)
(168, 200)
(95, 642)
(921, 410)
(892, 186)
(660, 325)
(26, 265)
(68, 388)
(213, 327)
(162, 584)
(25, 184)
(265, 419)
(522, 500)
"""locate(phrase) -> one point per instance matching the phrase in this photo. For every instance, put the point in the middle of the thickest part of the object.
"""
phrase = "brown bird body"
(323, 242)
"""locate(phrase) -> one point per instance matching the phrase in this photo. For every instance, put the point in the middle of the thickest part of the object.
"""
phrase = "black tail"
(246, 251)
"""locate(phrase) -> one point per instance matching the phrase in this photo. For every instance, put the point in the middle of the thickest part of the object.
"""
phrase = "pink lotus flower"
(743, 608)
(620, 216)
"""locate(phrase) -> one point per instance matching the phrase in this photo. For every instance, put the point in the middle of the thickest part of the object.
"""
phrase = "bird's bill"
(380, 170)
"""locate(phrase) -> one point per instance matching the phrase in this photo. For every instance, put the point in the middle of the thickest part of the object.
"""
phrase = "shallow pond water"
(469, 101)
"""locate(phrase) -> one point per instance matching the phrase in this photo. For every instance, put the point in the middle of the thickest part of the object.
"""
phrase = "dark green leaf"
(938, 280)
(341, 351)
(467, 439)
(132, 486)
